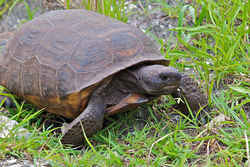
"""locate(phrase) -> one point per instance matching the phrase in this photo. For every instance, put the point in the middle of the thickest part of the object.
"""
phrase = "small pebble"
(7, 125)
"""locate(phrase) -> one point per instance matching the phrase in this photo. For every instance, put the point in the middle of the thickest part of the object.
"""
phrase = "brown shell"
(56, 60)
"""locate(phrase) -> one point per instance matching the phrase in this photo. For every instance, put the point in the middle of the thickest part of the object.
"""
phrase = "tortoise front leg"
(191, 93)
(91, 119)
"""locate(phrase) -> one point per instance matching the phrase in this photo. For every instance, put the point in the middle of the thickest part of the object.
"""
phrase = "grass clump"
(216, 45)
(111, 8)
(6, 6)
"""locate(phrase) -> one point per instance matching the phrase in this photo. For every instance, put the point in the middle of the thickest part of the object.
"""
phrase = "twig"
(160, 139)
(61, 2)
(208, 148)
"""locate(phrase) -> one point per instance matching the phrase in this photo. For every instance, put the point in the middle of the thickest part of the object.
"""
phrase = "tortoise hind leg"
(6, 101)
(191, 93)
(91, 119)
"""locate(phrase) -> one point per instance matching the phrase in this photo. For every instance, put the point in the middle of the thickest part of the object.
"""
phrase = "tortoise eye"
(164, 76)
(170, 76)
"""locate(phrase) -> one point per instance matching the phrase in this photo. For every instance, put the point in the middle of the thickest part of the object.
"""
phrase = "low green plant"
(4, 6)
(9, 5)
(218, 47)
(111, 8)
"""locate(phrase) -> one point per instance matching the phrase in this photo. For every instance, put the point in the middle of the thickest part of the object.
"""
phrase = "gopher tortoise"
(84, 66)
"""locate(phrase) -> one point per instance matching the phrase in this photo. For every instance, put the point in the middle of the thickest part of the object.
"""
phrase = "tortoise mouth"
(170, 87)
(164, 90)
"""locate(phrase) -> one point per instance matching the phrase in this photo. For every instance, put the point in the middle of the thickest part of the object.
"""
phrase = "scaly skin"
(148, 81)
(92, 117)
(191, 93)
(91, 120)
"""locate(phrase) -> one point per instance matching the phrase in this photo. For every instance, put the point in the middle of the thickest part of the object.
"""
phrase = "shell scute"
(30, 77)
(14, 75)
(90, 56)
(25, 43)
(56, 49)
(48, 82)
(66, 80)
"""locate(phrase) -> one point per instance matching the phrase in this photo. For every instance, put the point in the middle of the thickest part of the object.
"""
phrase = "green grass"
(111, 8)
(6, 6)
(216, 46)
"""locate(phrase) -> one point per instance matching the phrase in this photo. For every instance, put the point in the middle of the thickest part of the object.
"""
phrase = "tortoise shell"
(58, 59)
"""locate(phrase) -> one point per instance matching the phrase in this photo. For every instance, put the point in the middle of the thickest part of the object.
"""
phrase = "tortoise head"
(157, 79)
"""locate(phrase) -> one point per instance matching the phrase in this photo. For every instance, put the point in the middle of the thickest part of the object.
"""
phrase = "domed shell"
(56, 60)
